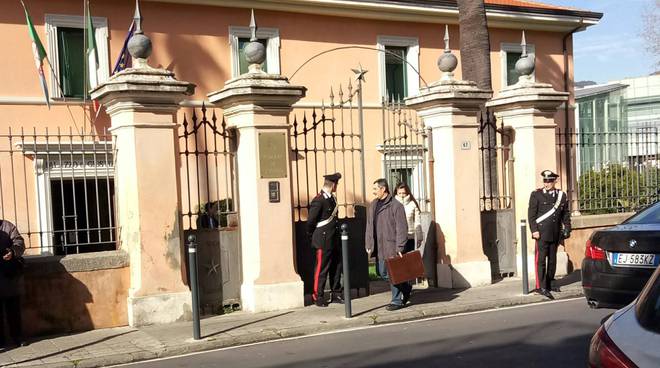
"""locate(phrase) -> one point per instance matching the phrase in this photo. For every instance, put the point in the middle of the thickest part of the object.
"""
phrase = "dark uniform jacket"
(541, 202)
(10, 271)
(321, 208)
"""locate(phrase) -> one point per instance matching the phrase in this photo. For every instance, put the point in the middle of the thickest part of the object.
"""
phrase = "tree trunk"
(475, 66)
(475, 43)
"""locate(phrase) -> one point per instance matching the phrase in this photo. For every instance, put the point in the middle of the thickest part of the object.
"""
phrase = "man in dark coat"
(322, 229)
(12, 247)
(387, 233)
(547, 212)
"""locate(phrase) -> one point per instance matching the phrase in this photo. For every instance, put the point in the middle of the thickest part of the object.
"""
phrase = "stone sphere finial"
(139, 46)
(255, 51)
(524, 65)
(447, 62)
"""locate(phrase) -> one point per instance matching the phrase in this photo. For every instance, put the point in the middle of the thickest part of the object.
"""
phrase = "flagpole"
(86, 66)
(35, 40)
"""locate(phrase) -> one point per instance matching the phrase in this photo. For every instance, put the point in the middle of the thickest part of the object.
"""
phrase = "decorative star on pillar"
(212, 267)
(359, 73)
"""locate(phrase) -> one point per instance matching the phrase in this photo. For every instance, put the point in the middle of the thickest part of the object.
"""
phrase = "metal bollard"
(523, 247)
(347, 281)
(192, 271)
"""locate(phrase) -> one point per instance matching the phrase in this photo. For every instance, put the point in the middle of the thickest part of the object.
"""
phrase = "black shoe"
(320, 303)
(337, 299)
(405, 299)
(393, 307)
(547, 294)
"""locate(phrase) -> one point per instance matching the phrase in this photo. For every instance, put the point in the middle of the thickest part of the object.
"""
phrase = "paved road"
(542, 335)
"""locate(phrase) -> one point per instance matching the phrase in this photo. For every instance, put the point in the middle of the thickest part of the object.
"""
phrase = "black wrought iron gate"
(496, 195)
(327, 139)
(209, 207)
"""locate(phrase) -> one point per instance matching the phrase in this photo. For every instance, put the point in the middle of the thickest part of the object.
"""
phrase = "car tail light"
(594, 252)
(603, 353)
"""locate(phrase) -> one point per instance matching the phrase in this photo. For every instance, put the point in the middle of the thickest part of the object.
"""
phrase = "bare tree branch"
(651, 30)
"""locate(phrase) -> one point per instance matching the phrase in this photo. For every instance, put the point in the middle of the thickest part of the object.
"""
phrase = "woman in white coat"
(411, 206)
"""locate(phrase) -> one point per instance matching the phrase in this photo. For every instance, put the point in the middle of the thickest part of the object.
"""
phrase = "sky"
(614, 49)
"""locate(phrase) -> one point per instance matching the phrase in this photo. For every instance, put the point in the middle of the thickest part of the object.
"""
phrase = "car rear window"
(649, 215)
(648, 304)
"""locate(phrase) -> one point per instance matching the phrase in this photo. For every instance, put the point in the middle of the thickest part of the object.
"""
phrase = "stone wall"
(74, 293)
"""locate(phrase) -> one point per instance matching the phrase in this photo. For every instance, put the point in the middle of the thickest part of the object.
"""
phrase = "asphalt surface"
(553, 334)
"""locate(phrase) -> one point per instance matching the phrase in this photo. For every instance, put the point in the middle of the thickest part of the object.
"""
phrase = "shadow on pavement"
(573, 277)
(71, 348)
(247, 324)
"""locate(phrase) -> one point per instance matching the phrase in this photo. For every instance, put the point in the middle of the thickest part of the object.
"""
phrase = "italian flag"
(39, 54)
(92, 58)
(92, 54)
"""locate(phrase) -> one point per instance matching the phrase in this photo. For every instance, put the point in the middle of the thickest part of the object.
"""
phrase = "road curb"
(366, 320)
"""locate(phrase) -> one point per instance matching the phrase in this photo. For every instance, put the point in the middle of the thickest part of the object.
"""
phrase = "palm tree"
(475, 43)
(475, 66)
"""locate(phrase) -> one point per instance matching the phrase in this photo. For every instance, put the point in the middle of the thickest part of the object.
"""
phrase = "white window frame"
(513, 47)
(415, 163)
(53, 22)
(44, 174)
(412, 58)
(272, 47)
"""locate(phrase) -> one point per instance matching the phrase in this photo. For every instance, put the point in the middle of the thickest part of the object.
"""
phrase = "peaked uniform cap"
(548, 174)
(333, 177)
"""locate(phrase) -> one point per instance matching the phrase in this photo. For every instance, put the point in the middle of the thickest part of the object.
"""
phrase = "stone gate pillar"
(530, 108)
(142, 103)
(450, 108)
(257, 105)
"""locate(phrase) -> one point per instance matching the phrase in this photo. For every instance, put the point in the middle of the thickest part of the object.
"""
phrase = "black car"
(619, 260)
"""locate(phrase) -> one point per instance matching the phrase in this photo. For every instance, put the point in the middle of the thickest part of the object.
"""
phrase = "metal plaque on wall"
(272, 155)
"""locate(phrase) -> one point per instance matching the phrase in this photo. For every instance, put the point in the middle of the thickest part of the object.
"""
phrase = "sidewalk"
(126, 344)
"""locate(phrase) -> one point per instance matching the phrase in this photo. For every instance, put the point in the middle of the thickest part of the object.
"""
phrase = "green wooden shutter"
(242, 63)
(71, 56)
(396, 78)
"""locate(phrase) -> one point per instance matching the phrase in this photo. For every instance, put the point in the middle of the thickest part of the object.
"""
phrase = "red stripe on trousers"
(317, 271)
(536, 263)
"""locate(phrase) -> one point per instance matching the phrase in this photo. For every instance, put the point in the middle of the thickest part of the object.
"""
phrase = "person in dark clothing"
(547, 212)
(387, 233)
(322, 230)
(12, 247)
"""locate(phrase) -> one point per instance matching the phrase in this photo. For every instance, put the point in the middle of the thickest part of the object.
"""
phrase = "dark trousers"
(327, 261)
(546, 251)
(10, 309)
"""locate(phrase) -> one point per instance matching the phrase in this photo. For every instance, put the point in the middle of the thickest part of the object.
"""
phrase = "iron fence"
(58, 188)
(405, 151)
(208, 166)
(495, 163)
(611, 171)
(327, 140)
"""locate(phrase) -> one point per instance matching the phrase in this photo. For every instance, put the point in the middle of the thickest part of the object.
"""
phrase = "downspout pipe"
(569, 173)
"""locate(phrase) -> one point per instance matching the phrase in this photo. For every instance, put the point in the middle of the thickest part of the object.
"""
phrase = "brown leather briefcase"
(405, 268)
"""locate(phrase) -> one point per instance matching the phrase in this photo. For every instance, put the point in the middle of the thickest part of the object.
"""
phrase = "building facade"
(58, 170)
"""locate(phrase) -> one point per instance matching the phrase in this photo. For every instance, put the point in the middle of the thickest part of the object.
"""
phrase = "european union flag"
(124, 59)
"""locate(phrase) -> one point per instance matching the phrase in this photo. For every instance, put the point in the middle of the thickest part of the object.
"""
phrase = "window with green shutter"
(511, 73)
(242, 63)
(396, 80)
(71, 57)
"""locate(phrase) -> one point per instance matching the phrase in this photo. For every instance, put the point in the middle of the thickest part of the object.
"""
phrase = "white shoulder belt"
(329, 219)
(552, 210)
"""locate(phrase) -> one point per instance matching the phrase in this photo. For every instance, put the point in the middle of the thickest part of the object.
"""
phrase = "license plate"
(635, 260)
